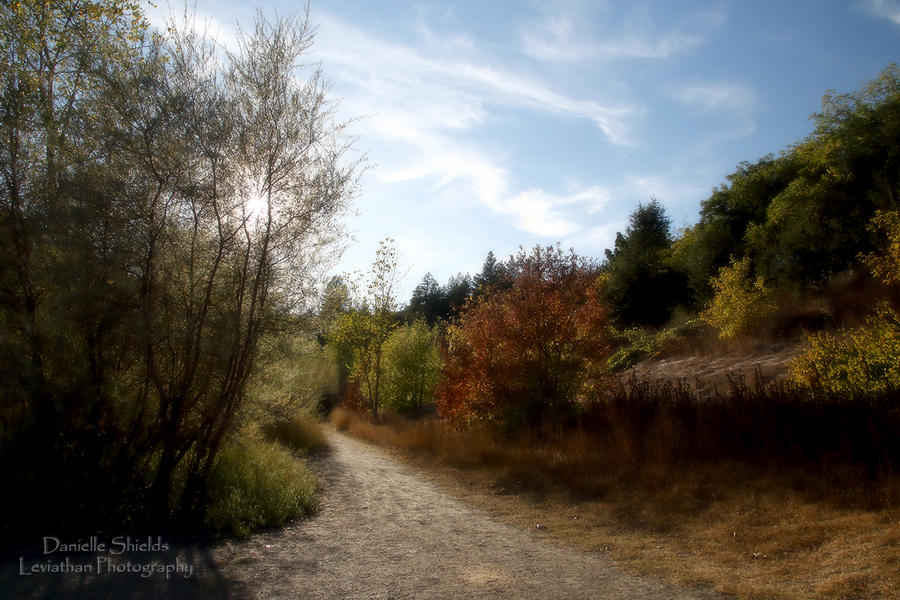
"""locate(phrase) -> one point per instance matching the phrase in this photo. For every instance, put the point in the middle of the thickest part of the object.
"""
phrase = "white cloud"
(554, 38)
(425, 110)
(716, 96)
(548, 215)
(466, 88)
(883, 9)
(567, 33)
(460, 172)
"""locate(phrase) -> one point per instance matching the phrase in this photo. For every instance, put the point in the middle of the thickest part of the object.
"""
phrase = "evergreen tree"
(641, 285)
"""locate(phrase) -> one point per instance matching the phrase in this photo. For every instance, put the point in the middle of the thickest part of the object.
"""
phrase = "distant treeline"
(803, 241)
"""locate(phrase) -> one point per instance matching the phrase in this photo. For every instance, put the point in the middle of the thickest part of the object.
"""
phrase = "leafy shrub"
(258, 484)
(641, 345)
(860, 361)
(885, 264)
(741, 304)
(864, 360)
(631, 354)
(295, 375)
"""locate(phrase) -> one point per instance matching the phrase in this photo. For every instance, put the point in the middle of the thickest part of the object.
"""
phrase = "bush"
(857, 362)
(741, 304)
(641, 345)
(885, 263)
(258, 484)
(865, 360)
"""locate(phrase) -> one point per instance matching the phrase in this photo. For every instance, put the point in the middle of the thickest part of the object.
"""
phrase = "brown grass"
(732, 527)
(340, 418)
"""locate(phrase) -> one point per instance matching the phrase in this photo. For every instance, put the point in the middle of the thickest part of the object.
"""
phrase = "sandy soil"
(383, 532)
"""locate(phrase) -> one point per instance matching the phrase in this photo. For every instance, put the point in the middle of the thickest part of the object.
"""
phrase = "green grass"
(258, 484)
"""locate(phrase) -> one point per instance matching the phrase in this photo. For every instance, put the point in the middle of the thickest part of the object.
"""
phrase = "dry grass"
(731, 527)
(301, 434)
(340, 418)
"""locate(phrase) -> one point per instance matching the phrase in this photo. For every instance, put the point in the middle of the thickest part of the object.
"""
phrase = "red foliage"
(523, 354)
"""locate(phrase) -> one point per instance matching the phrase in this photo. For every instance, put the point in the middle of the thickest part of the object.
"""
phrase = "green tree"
(641, 285)
(725, 217)
(429, 301)
(413, 366)
(818, 225)
(360, 335)
(459, 289)
(162, 212)
(493, 276)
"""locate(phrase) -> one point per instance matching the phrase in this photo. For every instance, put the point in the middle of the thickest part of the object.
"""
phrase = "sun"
(256, 204)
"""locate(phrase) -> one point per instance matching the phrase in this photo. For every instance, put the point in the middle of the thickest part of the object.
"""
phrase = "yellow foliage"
(866, 359)
(740, 304)
(860, 361)
(885, 264)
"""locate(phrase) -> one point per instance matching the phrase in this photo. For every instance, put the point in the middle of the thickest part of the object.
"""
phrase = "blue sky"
(490, 125)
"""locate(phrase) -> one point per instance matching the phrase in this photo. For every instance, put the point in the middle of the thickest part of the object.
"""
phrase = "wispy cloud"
(734, 104)
(883, 9)
(427, 107)
(456, 171)
(716, 96)
(573, 33)
(386, 72)
(552, 216)
(555, 39)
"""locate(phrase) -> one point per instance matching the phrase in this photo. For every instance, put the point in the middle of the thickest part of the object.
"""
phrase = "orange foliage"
(521, 355)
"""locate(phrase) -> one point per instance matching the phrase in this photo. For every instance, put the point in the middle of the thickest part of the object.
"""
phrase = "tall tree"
(641, 285)
(361, 334)
(459, 289)
(413, 366)
(429, 300)
(162, 214)
(492, 276)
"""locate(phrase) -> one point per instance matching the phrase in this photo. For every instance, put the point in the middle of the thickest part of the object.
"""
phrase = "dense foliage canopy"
(163, 210)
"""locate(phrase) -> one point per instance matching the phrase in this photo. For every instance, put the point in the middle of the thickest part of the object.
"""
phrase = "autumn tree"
(522, 355)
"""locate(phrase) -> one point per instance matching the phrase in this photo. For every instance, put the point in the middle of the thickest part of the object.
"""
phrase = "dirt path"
(382, 532)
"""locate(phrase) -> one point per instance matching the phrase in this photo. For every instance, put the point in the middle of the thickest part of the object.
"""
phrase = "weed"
(258, 484)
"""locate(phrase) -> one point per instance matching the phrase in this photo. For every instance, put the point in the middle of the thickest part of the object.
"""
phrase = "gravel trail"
(382, 532)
